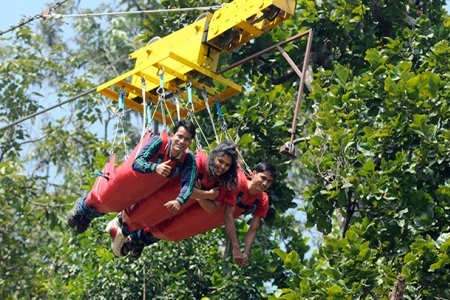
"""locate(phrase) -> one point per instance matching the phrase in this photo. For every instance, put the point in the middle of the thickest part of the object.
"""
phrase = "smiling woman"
(248, 197)
(216, 182)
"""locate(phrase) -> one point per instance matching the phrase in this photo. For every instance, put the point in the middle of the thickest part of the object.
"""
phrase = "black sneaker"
(84, 222)
(138, 241)
(80, 216)
(75, 214)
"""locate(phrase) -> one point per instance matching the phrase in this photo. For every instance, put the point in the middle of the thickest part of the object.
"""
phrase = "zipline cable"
(42, 15)
(48, 109)
(186, 9)
(48, 14)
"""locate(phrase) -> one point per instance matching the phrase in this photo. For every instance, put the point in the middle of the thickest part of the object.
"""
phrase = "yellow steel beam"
(226, 29)
(191, 54)
(206, 72)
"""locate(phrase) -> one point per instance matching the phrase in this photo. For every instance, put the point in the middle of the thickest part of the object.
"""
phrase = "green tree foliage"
(378, 154)
(373, 171)
(48, 162)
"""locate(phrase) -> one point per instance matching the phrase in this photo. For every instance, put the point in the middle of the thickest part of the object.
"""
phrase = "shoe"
(75, 214)
(80, 216)
(114, 228)
(137, 248)
(83, 225)
(137, 242)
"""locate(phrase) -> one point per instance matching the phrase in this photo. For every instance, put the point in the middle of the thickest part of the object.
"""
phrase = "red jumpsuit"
(151, 211)
(196, 220)
(122, 186)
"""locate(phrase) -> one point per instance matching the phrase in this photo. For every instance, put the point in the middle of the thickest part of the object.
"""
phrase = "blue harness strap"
(249, 209)
(177, 168)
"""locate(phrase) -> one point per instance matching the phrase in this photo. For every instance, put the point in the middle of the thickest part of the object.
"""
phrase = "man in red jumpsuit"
(161, 159)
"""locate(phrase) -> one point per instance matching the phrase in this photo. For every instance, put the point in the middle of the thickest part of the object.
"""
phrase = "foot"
(137, 242)
(79, 217)
(114, 228)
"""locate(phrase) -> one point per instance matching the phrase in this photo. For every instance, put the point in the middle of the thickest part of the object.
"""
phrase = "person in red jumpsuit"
(216, 180)
(250, 197)
(146, 170)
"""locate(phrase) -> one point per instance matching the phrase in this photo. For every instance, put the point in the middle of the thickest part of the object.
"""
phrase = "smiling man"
(162, 158)
(251, 198)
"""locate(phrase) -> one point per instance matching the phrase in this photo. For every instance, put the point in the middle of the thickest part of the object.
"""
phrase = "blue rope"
(219, 109)
(121, 100)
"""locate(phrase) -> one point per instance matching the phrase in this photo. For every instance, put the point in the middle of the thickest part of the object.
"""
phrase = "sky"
(23, 9)
(18, 9)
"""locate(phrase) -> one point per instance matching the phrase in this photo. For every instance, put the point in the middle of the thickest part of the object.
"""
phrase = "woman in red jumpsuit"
(216, 179)
(250, 197)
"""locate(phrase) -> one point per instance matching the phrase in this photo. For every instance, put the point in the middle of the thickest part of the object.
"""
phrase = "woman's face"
(260, 182)
(222, 164)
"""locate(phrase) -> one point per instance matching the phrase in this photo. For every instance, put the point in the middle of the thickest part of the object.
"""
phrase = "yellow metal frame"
(191, 55)
(245, 20)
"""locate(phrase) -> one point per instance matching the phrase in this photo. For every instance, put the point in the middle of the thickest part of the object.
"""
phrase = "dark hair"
(229, 178)
(188, 125)
(265, 166)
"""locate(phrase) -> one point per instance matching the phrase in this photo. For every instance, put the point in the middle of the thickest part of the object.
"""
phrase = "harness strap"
(177, 168)
(249, 209)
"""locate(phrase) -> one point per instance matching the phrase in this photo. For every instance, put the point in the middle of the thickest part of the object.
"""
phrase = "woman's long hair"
(229, 178)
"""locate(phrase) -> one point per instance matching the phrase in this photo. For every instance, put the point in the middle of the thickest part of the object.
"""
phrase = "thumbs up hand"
(163, 168)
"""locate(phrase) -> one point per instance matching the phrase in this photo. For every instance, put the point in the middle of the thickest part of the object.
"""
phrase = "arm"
(141, 163)
(188, 173)
(205, 198)
(187, 183)
(238, 256)
(211, 194)
(250, 236)
(210, 206)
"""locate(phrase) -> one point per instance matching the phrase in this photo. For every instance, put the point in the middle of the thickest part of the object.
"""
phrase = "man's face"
(180, 141)
(261, 181)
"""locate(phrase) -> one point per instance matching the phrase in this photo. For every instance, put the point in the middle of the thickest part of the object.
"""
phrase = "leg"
(81, 215)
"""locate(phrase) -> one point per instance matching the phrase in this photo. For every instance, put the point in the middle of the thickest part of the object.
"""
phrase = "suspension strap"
(121, 100)
(120, 124)
(144, 106)
(162, 97)
(221, 120)
(205, 98)
(176, 99)
(191, 116)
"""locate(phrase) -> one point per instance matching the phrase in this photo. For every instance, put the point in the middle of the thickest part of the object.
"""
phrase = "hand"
(245, 260)
(173, 205)
(163, 168)
(214, 193)
(239, 258)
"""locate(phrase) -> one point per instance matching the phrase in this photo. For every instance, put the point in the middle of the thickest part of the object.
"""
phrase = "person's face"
(222, 164)
(180, 141)
(260, 182)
